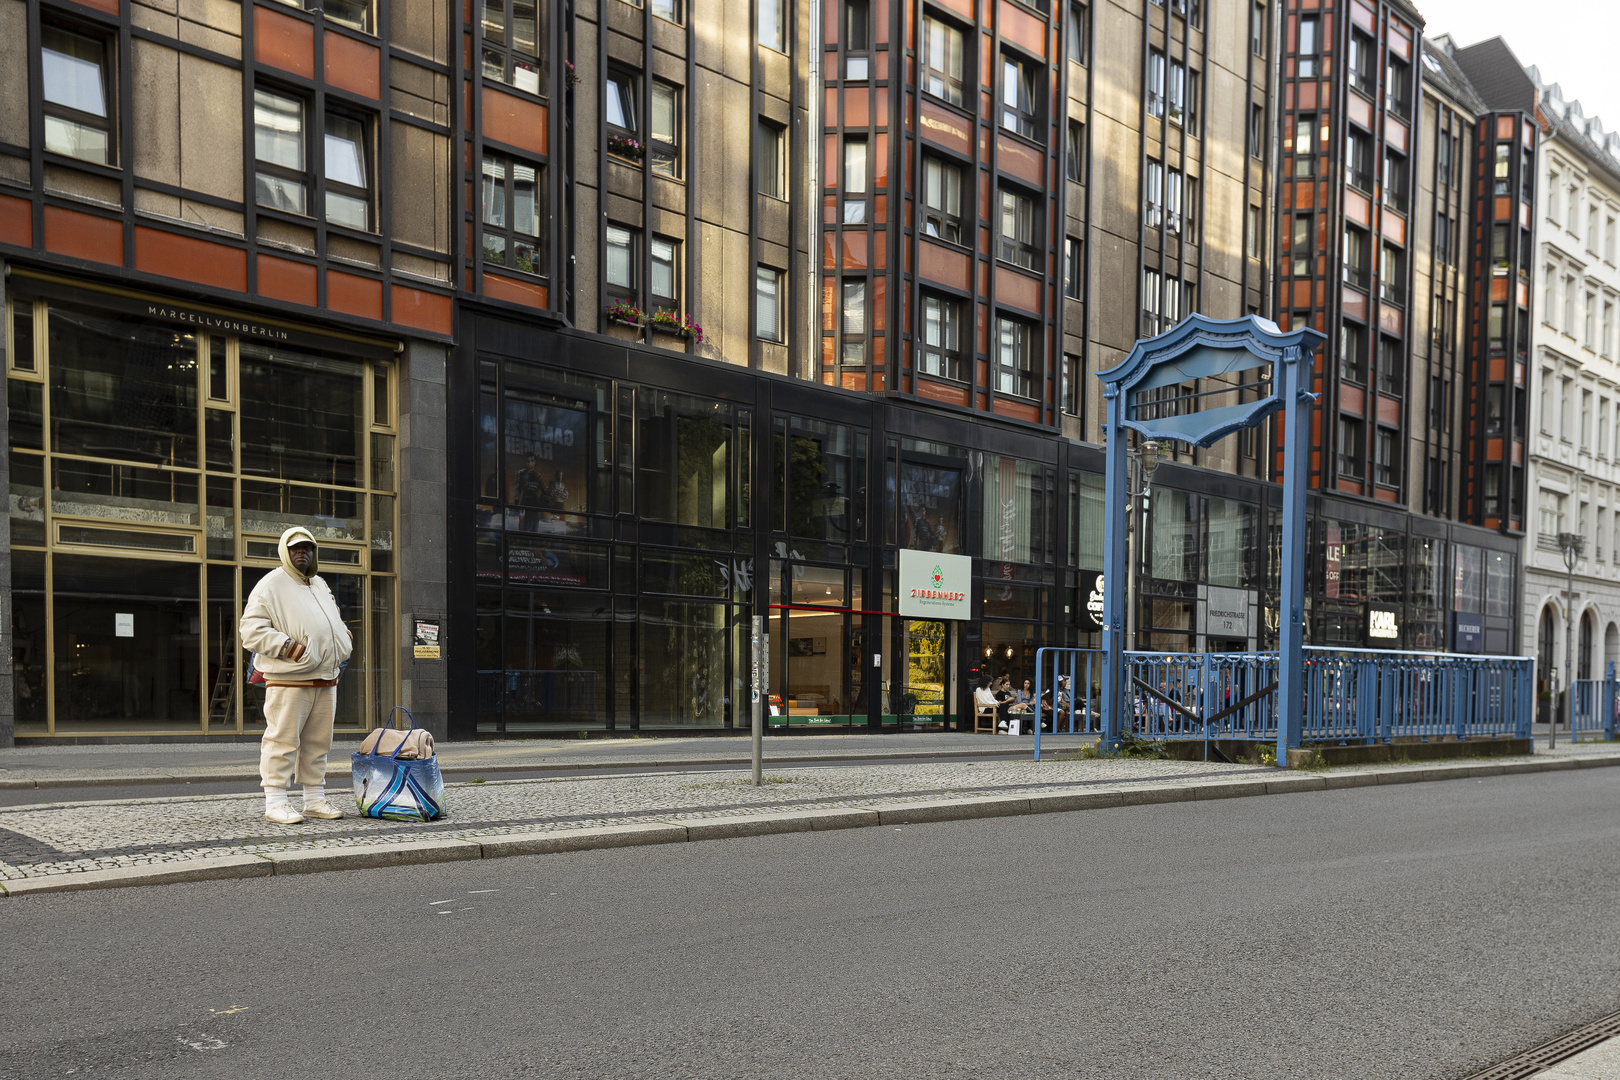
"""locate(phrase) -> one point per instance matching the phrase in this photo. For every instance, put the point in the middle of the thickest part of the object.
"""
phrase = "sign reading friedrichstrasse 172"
(935, 586)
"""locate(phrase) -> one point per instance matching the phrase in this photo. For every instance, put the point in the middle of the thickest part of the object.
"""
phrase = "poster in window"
(930, 509)
(547, 466)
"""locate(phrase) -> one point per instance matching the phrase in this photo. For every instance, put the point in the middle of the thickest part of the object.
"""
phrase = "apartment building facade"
(585, 332)
(1575, 404)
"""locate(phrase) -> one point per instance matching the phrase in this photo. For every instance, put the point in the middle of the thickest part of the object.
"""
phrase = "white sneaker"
(284, 815)
(322, 809)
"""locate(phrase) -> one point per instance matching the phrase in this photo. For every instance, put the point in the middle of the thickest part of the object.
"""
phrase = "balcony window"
(942, 60)
(1352, 353)
(1398, 87)
(1392, 275)
(1363, 66)
(940, 351)
(78, 121)
(1155, 83)
(854, 181)
(1350, 452)
(1384, 458)
(1018, 98)
(1078, 15)
(942, 200)
(1358, 160)
(1391, 366)
(1074, 157)
(624, 130)
(1304, 146)
(1073, 268)
(1302, 247)
(1017, 230)
(513, 197)
(857, 39)
(1152, 287)
(1395, 180)
(1174, 201)
(1153, 195)
(666, 275)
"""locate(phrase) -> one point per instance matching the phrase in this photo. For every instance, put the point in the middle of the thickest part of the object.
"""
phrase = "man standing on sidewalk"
(293, 624)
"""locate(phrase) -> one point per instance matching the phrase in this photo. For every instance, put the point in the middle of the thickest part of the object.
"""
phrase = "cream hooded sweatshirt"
(286, 606)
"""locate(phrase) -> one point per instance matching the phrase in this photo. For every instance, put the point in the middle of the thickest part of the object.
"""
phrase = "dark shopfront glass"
(130, 392)
(820, 472)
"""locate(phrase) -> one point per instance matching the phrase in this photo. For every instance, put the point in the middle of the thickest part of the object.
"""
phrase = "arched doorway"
(1546, 656)
(1583, 657)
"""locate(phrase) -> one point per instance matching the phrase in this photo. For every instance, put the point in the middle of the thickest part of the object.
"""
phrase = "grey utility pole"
(1571, 544)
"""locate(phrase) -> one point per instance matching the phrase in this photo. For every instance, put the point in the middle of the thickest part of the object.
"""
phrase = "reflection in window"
(347, 194)
(942, 60)
(77, 121)
(930, 508)
(683, 459)
(1174, 531)
(1015, 522)
(940, 350)
(683, 664)
(513, 198)
(826, 495)
(1231, 538)
(122, 388)
(301, 416)
(280, 179)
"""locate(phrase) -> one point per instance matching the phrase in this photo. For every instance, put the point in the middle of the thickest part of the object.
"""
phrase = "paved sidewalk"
(57, 846)
(80, 766)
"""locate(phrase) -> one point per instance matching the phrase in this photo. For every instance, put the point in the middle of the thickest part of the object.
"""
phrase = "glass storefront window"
(556, 655)
(1467, 578)
(1230, 543)
(930, 508)
(1426, 574)
(826, 492)
(120, 537)
(1086, 515)
(683, 459)
(302, 416)
(1174, 529)
(683, 664)
(129, 392)
(1499, 566)
(1015, 523)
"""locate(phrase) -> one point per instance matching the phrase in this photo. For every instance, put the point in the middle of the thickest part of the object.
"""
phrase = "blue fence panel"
(1592, 709)
(1350, 696)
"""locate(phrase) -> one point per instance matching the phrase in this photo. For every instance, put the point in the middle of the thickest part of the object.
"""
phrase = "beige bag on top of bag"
(384, 741)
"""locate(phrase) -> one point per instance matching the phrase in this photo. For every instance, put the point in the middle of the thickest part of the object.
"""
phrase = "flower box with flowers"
(667, 322)
(624, 314)
(625, 147)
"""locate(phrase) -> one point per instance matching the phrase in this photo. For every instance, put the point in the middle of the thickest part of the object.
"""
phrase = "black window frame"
(1349, 458)
(1392, 274)
(365, 194)
(939, 222)
(665, 149)
(926, 70)
(1008, 379)
(944, 360)
(507, 231)
(1361, 62)
(1391, 366)
(1302, 244)
(1386, 457)
(1357, 255)
(857, 24)
(854, 338)
(1308, 59)
(1031, 249)
(624, 139)
(1397, 180)
(1357, 166)
(1352, 353)
(778, 332)
(1257, 130)
(662, 302)
(108, 124)
(502, 58)
(303, 177)
(1026, 114)
(1304, 164)
(1398, 86)
(1074, 151)
(1156, 80)
(1257, 29)
(1077, 30)
(1073, 266)
(771, 159)
(630, 293)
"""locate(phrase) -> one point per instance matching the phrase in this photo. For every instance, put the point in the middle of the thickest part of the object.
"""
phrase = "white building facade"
(1574, 449)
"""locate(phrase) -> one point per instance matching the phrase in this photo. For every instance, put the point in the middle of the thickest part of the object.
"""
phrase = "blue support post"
(1040, 658)
(1608, 701)
(1291, 631)
(1115, 572)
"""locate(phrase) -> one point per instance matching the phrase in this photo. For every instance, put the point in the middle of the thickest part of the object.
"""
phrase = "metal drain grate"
(1547, 1055)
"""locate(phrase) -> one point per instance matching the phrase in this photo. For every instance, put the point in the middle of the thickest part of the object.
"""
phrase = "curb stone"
(419, 852)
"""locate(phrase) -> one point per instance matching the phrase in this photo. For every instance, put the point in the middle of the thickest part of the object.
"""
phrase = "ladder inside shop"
(224, 697)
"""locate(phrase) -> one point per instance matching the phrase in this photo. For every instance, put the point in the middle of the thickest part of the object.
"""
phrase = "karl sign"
(935, 586)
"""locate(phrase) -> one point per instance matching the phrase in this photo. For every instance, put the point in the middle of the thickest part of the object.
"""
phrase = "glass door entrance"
(923, 691)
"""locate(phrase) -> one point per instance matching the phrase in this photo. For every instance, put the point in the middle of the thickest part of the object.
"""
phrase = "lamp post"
(1571, 544)
(1145, 462)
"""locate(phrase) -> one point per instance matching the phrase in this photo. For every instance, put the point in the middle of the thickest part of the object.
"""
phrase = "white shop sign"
(1227, 612)
(935, 586)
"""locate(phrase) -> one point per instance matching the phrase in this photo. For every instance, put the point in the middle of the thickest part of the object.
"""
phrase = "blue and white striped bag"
(398, 789)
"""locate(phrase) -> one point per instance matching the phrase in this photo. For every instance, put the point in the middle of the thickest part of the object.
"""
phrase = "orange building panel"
(283, 279)
(949, 393)
(354, 295)
(16, 221)
(351, 65)
(1018, 290)
(1020, 160)
(527, 293)
(945, 265)
(1022, 29)
(284, 42)
(1018, 410)
(190, 258)
(84, 236)
(514, 121)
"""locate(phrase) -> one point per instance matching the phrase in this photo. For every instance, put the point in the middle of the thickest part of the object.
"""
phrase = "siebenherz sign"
(935, 586)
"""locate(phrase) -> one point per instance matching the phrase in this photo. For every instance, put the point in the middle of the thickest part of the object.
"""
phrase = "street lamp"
(1571, 544)
(1145, 461)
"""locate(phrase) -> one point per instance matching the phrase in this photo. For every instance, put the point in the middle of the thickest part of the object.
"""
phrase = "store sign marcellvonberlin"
(935, 586)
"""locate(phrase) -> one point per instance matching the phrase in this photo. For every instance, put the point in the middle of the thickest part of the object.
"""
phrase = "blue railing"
(1350, 696)
(1594, 708)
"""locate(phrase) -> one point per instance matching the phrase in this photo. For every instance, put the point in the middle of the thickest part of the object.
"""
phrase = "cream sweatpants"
(297, 724)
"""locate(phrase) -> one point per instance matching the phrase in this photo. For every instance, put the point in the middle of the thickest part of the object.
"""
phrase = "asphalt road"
(1400, 932)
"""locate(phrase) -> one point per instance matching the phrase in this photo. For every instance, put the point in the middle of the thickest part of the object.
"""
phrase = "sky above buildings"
(1573, 42)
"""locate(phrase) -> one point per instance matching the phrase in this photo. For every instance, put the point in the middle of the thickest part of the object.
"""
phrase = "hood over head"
(296, 535)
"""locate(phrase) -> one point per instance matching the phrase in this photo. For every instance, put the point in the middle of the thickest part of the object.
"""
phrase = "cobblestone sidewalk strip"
(60, 846)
